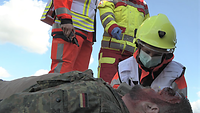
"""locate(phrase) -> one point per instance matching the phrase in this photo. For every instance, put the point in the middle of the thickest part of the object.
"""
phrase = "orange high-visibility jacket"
(171, 76)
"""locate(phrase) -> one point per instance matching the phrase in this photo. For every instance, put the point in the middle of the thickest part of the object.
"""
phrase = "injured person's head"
(146, 100)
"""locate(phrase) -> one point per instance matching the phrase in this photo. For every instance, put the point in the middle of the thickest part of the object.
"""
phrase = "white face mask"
(149, 61)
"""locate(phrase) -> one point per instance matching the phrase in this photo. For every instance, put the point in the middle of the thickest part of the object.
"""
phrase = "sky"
(25, 41)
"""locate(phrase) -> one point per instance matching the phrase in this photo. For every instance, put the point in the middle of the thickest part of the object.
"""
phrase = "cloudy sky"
(25, 43)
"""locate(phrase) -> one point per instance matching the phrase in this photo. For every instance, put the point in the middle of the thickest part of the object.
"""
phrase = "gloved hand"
(116, 33)
(67, 29)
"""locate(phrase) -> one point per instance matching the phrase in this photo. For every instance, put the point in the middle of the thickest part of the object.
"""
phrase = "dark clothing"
(7, 88)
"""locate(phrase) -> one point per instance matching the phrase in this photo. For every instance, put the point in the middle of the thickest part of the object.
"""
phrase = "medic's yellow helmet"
(158, 32)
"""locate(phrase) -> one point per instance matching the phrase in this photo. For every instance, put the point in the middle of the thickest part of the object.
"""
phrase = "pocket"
(57, 100)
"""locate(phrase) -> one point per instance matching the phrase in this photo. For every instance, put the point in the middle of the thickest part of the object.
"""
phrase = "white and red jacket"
(171, 76)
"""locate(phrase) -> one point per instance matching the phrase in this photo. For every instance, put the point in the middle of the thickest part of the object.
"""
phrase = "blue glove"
(116, 33)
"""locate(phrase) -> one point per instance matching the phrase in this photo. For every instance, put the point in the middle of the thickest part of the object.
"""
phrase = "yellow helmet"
(158, 32)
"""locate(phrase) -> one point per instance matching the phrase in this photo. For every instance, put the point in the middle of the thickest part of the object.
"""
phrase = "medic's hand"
(67, 29)
(116, 33)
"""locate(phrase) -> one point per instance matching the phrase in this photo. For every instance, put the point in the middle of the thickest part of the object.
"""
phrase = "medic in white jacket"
(152, 65)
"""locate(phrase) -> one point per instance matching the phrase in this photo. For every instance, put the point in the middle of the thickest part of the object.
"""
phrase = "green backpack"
(72, 92)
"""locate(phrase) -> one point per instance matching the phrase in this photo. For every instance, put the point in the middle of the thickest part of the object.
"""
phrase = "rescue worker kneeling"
(151, 64)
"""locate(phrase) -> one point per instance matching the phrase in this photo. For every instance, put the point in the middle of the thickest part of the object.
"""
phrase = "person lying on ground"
(80, 92)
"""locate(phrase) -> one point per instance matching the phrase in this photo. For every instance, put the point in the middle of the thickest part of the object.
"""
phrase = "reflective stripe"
(79, 25)
(115, 1)
(134, 5)
(60, 51)
(83, 13)
(106, 34)
(56, 26)
(107, 21)
(106, 14)
(104, 44)
(58, 67)
(82, 18)
(128, 38)
(46, 9)
(117, 45)
(131, 4)
(115, 82)
(99, 67)
(138, 6)
(45, 12)
(86, 8)
(183, 91)
(82, 22)
(130, 48)
(59, 58)
(57, 21)
(125, 38)
(107, 60)
(62, 11)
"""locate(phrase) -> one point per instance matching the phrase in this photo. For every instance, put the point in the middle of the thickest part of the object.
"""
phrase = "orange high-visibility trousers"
(68, 57)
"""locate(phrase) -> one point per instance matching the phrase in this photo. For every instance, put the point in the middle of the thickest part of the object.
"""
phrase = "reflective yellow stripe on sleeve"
(46, 9)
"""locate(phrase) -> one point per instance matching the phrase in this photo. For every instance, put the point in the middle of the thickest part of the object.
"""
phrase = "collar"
(145, 72)
(123, 89)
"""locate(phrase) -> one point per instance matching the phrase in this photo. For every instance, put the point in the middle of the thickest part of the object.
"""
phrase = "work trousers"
(108, 62)
(67, 56)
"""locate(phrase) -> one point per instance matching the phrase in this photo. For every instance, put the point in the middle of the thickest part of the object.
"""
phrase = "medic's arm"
(106, 10)
(62, 10)
(180, 85)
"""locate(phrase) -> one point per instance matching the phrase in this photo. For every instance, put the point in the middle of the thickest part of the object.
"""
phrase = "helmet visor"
(159, 50)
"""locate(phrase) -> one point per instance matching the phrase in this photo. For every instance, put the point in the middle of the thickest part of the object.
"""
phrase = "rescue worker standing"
(152, 64)
(120, 20)
(76, 17)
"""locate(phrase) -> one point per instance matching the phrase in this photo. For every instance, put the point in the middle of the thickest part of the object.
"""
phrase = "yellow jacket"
(127, 15)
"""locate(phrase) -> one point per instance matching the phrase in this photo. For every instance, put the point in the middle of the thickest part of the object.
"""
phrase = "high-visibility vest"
(82, 11)
(172, 76)
(126, 15)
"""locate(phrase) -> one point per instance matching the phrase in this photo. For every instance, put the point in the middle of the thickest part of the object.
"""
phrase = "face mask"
(149, 61)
